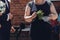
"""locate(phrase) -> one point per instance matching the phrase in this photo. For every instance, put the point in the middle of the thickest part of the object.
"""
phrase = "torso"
(40, 27)
(44, 7)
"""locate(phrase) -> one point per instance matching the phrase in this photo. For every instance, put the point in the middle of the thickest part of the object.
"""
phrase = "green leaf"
(40, 14)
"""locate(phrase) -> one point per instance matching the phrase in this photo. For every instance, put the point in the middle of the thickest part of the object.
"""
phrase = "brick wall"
(17, 9)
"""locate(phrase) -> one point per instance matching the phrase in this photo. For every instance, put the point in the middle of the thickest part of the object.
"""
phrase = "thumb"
(34, 14)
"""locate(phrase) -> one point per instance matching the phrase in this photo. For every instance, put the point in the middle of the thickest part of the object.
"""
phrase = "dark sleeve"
(4, 17)
(7, 8)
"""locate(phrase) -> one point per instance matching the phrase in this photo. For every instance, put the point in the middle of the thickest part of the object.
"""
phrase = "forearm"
(29, 18)
(54, 14)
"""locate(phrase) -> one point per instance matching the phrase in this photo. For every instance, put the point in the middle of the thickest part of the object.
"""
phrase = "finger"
(34, 14)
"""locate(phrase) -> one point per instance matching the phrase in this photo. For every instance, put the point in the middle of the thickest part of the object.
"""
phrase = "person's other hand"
(12, 30)
(10, 16)
(0, 14)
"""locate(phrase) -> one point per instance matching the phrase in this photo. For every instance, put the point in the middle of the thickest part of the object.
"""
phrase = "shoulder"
(30, 3)
(49, 3)
(9, 0)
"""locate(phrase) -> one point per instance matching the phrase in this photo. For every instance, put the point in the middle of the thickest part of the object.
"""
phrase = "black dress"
(6, 25)
(41, 30)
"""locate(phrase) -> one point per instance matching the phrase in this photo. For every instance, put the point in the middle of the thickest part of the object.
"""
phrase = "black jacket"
(3, 18)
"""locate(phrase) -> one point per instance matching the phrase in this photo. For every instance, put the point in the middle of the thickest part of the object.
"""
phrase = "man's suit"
(6, 25)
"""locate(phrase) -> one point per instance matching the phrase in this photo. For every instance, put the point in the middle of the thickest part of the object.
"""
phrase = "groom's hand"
(12, 30)
(10, 16)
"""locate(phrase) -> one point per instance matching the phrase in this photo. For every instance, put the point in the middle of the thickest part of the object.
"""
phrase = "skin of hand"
(12, 30)
(0, 14)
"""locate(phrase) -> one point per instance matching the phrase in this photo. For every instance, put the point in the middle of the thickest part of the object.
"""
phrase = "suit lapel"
(6, 1)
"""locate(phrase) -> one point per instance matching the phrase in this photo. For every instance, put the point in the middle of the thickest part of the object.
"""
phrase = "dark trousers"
(5, 31)
(40, 30)
(4, 36)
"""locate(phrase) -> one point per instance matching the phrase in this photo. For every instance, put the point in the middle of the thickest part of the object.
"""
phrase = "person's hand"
(34, 15)
(12, 29)
(52, 17)
(0, 26)
(10, 16)
(0, 14)
(30, 18)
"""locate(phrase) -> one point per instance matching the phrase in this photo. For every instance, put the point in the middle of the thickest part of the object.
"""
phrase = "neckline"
(40, 4)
